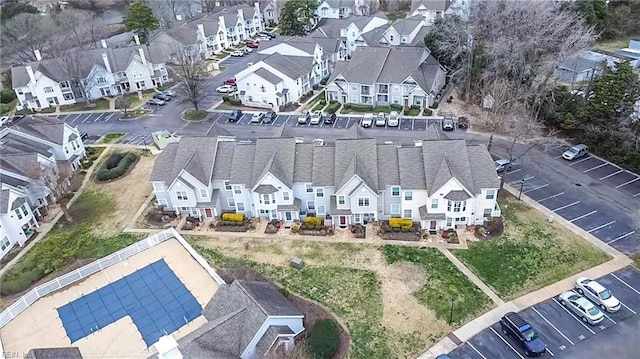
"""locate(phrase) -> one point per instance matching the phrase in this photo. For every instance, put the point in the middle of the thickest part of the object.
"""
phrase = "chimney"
(221, 21)
(136, 38)
(178, 17)
(217, 3)
(32, 77)
(257, 6)
(38, 55)
(241, 16)
(103, 43)
(144, 59)
(201, 30)
(105, 59)
(167, 348)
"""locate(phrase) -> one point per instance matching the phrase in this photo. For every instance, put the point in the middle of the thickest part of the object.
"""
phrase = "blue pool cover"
(155, 299)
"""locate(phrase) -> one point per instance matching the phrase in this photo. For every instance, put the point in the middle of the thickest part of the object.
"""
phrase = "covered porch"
(288, 213)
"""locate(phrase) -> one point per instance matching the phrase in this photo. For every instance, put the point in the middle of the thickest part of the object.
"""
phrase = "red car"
(253, 45)
(230, 81)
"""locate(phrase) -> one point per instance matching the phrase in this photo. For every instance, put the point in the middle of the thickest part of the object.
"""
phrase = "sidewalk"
(484, 321)
(46, 227)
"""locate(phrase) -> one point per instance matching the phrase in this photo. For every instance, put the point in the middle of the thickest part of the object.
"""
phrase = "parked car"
(268, 34)
(394, 119)
(515, 326)
(163, 97)
(581, 307)
(170, 93)
(247, 50)
(463, 122)
(330, 119)
(264, 38)
(5, 120)
(304, 118)
(257, 117)
(381, 119)
(598, 294)
(230, 81)
(575, 152)
(226, 89)
(502, 165)
(316, 118)
(235, 116)
(448, 124)
(237, 53)
(252, 44)
(155, 102)
(367, 120)
(84, 135)
(269, 117)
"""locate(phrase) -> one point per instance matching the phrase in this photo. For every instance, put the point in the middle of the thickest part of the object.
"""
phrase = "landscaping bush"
(400, 222)
(313, 221)
(435, 105)
(333, 107)
(7, 96)
(324, 339)
(384, 109)
(231, 100)
(236, 217)
(427, 112)
(4, 108)
(113, 160)
(319, 106)
(12, 285)
(106, 173)
(396, 107)
(359, 108)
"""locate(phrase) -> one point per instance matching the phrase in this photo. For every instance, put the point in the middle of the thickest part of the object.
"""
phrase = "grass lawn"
(134, 100)
(636, 260)
(137, 113)
(352, 294)
(67, 246)
(166, 85)
(411, 111)
(112, 137)
(613, 45)
(315, 100)
(101, 104)
(195, 115)
(444, 282)
(530, 254)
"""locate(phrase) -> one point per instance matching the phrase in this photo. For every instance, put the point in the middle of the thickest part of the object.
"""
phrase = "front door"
(433, 225)
(343, 221)
(287, 216)
(208, 213)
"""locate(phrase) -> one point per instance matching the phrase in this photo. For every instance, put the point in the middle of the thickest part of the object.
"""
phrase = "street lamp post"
(452, 301)
(521, 186)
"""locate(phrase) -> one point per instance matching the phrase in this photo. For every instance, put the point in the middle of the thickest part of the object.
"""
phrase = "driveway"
(617, 336)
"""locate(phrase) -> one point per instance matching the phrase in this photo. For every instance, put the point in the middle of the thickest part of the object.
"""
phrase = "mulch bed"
(313, 232)
(312, 312)
(245, 227)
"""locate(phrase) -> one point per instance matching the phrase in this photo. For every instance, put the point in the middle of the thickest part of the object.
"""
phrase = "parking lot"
(562, 331)
(98, 117)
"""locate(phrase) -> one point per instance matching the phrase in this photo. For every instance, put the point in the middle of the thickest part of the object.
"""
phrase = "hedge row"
(231, 223)
(231, 100)
(400, 222)
(105, 174)
(396, 107)
(333, 107)
(313, 220)
(235, 217)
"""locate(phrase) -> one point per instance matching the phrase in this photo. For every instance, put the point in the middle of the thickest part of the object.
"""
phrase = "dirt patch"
(129, 193)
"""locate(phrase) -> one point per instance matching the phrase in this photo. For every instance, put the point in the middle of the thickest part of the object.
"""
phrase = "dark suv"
(235, 116)
(519, 329)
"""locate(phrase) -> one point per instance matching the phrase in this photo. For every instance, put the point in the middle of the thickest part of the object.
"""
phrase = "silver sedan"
(581, 307)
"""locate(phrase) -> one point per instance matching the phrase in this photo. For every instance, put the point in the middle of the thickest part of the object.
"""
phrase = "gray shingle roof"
(388, 171)
(54, 353)
(457, 196)
(411, 168)
(4, 201)
(242, 168)
(408, 25)
(303, 167)
(484, 176)
(44, 127)
(323, 166)
(23, 164)
(13, 143)
(268, 75)
(276, 156)
(292, 66)
(265, 189)
(374, 36)
(17, 203)
(579, 64)
(433, 5)
(223, 161)
(194, 154)
(356, 157)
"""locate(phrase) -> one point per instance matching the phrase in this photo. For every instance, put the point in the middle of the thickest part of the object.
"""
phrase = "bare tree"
(24, 33)
(190, 71)
(123, 105)
(167, 11)
(77, 29)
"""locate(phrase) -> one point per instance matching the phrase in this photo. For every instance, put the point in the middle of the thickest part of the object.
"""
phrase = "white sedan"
(598, 294)
(237, 53)
(226, 89)
(581, 307)
(257, 117)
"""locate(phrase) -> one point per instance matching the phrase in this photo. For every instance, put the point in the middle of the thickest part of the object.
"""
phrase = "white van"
(576, 151)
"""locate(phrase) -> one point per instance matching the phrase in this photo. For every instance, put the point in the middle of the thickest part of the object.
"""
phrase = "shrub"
(385, 109)
(4, 108)
(435, 105)
(347, 106)
(317, 227)
(396, 107)
(106, 173)
(231, 100)
(313, 221)
(400, 222)
(294, 229)
(303, 226)
(324, 339)
(7, 96)
(319, 106)
(13, 285)
(427, 112)
(360, 108)
(333, 107)
(235, 217)
(113, 160)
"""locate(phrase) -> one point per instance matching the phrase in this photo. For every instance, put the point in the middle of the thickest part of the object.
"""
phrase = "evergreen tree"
(296, 16)
(139, 19)
(614, 93)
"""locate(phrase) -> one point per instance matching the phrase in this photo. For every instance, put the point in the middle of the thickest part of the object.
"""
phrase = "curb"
(194, 121)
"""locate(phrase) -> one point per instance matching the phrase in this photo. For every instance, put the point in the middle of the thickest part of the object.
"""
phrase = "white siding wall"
(294, 323)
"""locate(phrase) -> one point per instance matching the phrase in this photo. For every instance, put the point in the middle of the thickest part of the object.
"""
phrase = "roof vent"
(167, 348)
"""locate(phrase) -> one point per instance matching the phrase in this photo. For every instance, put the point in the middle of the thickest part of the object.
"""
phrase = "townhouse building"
(292, 66)
(352, 32)
(441, 183)
(431, 10)
(381, 76)
(89, 75)
(271, 11)
(408, 32)
(340, 9)
(213, 33)
(37, 157)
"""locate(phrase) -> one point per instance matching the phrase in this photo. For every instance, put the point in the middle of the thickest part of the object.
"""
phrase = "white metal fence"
(40, 291)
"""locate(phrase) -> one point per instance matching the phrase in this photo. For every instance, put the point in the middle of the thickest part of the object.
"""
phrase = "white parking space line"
(557, 157)
(595, 168)
(578, 161)
(476, 350)
(535, 189)
(621, 237)
(514, 171)
(629, 309)
(611, 175)
(636, 195)
(106, 119)
(506, 342)
(567, 206)
(603, 312)
(583, 216)
(524, 179)
(602, 226)
(574, 317)
(550, 352)
(625, 283)
(629, 182)
(76, 117)
(413, 124)
(554, 196)
(552, 326)
(99, 116)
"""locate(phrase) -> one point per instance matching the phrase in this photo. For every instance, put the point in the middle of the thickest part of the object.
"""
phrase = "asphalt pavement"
(567, 336)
